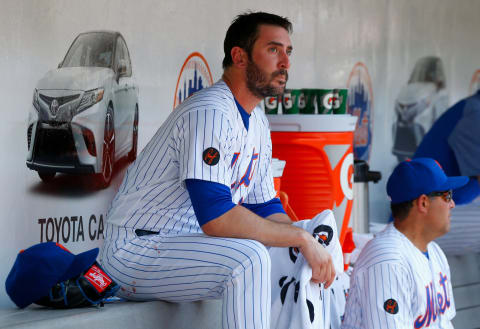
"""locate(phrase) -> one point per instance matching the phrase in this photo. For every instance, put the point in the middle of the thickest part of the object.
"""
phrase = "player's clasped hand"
(320, 260)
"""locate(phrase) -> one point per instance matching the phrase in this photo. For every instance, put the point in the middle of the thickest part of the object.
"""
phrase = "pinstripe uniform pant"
(191, 267)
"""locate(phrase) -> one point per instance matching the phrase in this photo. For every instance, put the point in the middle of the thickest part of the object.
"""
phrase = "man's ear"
(239, 57)
(422, 203)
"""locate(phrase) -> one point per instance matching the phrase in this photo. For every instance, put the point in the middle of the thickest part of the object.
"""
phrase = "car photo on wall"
(84, 115)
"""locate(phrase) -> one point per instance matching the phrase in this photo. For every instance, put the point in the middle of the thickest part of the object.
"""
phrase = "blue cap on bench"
(40, 267)
(412, 178)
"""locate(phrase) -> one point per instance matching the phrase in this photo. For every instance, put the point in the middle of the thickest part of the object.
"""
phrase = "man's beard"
(260, 84)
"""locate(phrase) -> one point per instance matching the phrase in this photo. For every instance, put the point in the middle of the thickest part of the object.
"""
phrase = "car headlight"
(90, 98)
(35, 100)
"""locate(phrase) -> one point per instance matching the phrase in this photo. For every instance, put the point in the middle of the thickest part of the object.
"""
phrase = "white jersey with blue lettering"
(395, 285)
(172, 259)
(204, 138)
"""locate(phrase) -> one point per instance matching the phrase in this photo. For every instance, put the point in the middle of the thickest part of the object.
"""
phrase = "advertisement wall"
(171, 49)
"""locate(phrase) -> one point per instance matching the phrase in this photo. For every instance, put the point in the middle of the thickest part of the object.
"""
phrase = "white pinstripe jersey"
(394, 285)
(153, 196)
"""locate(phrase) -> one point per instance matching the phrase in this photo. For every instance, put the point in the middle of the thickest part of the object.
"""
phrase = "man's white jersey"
(204, 138)
(395, 285)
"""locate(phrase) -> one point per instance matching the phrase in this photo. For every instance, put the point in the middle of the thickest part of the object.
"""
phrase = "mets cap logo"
(360, 104)
(194, 75)
(438, 163)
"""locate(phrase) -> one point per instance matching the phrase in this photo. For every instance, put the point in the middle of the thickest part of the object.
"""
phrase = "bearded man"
(197, 211)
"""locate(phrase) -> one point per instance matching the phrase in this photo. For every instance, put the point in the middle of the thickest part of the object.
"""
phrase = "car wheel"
(132, 155)
(46, 176)
(108, 155)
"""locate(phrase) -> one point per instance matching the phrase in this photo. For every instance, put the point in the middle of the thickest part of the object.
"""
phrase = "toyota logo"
(54, 107)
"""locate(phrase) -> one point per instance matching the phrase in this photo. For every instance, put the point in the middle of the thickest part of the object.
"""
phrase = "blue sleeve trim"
(209, 199)
(266, 209)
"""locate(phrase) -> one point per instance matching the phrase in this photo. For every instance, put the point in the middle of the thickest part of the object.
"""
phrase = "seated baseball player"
(401, 278)
(196, 211)
(454, 141)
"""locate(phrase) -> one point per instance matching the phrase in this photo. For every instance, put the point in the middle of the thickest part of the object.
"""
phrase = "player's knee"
(260, 258)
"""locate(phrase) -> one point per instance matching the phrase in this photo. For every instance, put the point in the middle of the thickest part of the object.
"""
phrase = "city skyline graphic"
(195, 84)
(360, 103)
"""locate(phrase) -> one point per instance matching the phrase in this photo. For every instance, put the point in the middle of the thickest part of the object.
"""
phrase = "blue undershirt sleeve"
(266, 209)
(209, 199)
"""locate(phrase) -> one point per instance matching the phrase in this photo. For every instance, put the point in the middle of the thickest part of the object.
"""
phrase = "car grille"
(55, 147)
(56, 123)
(29, 135)
(61, 100)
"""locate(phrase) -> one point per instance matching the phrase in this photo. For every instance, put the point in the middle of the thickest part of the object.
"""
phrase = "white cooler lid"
(312, 122)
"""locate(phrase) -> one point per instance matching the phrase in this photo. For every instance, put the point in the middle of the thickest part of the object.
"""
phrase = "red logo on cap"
(438, 164)
(62, 247)
(98, 278)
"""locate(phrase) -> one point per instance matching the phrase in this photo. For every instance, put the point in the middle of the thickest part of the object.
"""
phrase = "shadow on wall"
(78, 186)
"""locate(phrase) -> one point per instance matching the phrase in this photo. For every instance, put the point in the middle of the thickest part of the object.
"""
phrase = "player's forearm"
(280, 218)
(240, 222)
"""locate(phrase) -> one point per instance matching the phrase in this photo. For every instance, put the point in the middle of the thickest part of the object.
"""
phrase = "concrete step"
(118, 314)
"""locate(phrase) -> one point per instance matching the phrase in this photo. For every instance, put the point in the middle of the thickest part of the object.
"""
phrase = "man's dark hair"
(400, 210)
(243, 32)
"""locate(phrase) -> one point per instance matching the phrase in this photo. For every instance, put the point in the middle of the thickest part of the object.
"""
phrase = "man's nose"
(284, 61)
(452, 204)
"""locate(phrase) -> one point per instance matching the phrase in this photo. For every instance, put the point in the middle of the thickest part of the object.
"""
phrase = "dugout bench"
(118, 314)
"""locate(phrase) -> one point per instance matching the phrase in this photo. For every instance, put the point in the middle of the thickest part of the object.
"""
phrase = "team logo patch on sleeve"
(211, 156)
(391, 306)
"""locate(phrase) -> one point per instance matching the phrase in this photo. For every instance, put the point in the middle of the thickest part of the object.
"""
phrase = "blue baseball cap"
(38, 268)
(412, 178)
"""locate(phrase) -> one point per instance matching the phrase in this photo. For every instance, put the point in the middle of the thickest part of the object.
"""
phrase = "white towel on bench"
(297, 303)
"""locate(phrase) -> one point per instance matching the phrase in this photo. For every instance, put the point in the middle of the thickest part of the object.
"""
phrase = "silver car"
(85, 113)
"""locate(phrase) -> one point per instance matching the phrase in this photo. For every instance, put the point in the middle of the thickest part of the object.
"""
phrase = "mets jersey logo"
(436, 305)
(248, 175)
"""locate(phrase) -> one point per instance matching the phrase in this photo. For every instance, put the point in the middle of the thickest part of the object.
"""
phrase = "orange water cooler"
(319, 171)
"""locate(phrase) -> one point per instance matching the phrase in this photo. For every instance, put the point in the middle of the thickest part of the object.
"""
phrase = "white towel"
(297, 303)
(340, 289)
